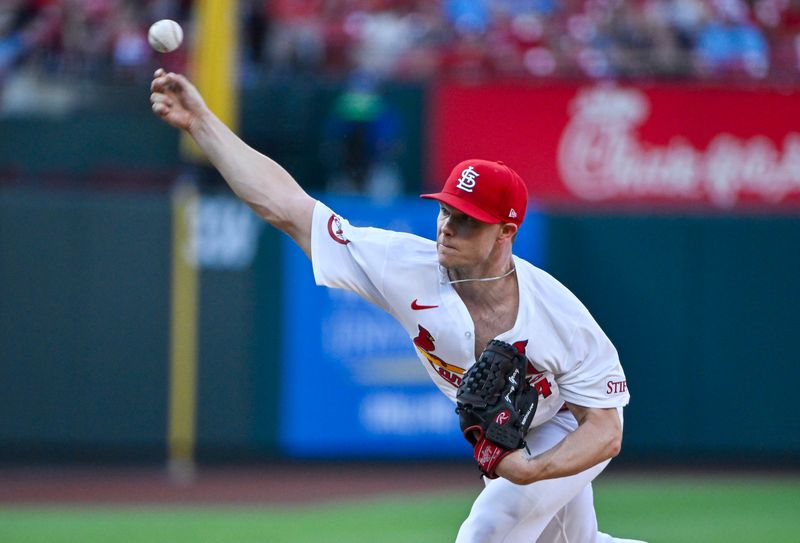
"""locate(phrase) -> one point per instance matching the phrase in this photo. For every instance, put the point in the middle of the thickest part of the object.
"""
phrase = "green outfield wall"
(701, 308)
(703, 311)
(83, 324)
(84, 330)
(117, 140)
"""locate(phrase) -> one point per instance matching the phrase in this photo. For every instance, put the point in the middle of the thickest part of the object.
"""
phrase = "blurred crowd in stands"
(420, 39)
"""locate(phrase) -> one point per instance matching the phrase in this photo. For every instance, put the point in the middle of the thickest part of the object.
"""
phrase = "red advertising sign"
(622, 144)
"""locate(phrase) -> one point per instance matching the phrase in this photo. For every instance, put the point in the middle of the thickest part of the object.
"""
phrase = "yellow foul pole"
(213, 62)
(183, 332)
(213, 59)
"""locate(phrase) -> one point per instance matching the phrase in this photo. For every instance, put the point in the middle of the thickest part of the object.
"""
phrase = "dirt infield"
(284, 484)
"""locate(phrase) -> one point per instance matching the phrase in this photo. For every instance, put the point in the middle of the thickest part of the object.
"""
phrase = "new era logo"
(467, 180)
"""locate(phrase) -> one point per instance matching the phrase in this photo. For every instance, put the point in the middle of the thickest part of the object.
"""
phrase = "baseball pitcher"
(538, 386)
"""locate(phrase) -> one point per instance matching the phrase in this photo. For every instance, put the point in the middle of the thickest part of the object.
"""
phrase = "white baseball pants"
(551, 511)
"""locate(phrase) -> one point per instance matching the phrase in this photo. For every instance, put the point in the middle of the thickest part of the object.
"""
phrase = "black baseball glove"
(496, 404)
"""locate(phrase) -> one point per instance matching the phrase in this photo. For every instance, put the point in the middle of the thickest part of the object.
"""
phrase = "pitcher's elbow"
(614, 446)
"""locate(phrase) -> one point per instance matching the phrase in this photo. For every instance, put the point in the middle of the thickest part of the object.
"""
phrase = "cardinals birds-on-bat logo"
(426, 344)
(335, 230)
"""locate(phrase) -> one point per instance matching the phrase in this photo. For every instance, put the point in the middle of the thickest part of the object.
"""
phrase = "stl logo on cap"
(467, 180)
(501, 197)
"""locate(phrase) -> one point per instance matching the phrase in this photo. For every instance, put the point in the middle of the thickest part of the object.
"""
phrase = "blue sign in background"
(352, 384)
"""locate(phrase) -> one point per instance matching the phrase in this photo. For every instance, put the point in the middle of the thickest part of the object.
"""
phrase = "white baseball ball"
(165, 35)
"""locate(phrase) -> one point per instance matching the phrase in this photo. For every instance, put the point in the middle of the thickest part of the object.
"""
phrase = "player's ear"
(507, 231)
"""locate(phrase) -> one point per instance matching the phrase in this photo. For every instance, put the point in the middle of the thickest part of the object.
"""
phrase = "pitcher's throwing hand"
(176, 100)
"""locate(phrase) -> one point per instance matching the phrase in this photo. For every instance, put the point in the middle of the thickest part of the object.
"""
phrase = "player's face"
(461, 241)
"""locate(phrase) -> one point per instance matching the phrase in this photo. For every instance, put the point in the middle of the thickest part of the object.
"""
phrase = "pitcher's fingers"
(180, 78)
(165, 82)
(175, 82)
(159, 98)
(159, 72)
(158, 84)
(160, 109)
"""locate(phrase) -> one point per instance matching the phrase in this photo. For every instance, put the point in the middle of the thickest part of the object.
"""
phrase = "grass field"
(659, 510)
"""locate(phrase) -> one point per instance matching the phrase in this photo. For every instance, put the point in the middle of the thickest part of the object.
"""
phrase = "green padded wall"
(703, 311)
(83, 324)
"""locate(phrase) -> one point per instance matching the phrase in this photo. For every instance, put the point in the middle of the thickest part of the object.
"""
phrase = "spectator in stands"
(731, 44)
(295, 42)
(419, 39)
(362, 141)
(131, 53)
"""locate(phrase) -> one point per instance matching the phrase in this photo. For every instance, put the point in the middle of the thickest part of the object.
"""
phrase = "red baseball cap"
(485, 190)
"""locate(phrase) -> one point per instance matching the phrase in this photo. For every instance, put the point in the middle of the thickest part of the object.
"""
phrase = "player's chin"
(448, 257)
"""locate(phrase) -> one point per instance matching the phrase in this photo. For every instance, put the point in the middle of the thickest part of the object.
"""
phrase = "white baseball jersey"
(569, 357)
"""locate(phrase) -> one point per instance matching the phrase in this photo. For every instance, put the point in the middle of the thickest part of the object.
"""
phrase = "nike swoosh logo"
(416, 307)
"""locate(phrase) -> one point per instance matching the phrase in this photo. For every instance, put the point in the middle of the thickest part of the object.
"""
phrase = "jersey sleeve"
(349, 257)
(594, 375)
